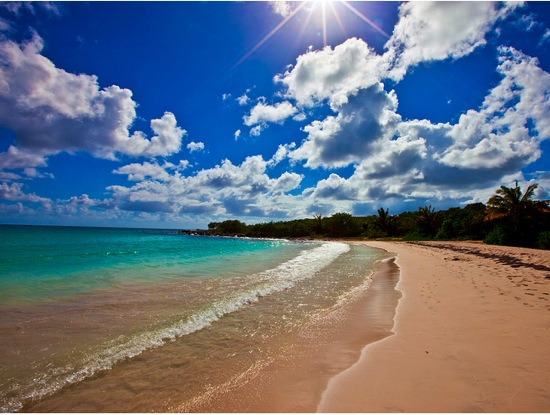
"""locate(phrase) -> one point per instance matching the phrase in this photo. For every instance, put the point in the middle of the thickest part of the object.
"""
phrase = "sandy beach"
(465, 328)
(471, 334)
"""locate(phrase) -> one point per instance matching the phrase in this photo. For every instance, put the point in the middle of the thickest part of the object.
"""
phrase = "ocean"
(139, 320)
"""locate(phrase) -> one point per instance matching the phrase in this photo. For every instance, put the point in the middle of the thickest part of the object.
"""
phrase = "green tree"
(318, 227)
(515, 215)
(509, 202)
(228, 227)
(385, 222)
(342, 224)
(427, 221)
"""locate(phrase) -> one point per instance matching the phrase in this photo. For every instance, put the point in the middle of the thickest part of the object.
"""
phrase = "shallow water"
(157, 329)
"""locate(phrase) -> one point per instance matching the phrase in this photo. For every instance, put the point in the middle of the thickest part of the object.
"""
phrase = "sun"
(322, 4)
(321, 9)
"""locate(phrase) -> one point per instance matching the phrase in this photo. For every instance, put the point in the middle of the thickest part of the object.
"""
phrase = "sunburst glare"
(321, 11)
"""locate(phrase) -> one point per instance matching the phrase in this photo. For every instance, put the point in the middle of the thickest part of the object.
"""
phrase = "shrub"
(543, 240)
(496, 237)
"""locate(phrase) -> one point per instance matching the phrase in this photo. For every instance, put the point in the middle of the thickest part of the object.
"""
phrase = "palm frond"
(529, 193)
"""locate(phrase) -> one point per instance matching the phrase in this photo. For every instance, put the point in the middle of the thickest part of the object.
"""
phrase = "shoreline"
(326, 347)
(472, 334)
(434, 327)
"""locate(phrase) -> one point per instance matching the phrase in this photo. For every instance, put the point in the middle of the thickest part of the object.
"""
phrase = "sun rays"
(365, 19)
(269, 35)
(325, 11)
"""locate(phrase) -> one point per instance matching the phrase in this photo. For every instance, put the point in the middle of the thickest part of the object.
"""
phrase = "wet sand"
(472, 334)
(294, 381)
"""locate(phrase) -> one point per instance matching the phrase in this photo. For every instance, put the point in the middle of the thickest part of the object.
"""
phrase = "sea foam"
(305, 265)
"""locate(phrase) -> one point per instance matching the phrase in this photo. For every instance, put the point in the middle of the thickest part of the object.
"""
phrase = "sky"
(178, 114)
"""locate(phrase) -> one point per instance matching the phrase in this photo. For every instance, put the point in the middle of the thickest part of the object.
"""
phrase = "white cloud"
(428, 31)
(262, 114)
(256, 131)
(282, 152)
(32, 173)
(182, 165)
(16, 7)
(141, 171)
(14, 193)
(333, 74)
(281, 7)
(193, 146)
(393, 158)
(5, 25)
(507, 130)
(225, 189)
(416, 159)
(335, 187)
(244, 99)
(51, 110)
(286, 182)
(14, 158)
(347, 138)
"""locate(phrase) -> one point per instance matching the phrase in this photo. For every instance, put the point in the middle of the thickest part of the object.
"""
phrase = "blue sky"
(176, 114)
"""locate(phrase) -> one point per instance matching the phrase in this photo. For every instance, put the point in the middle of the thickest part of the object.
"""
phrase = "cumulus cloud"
(214, 191)
(14, 193)
(417, 159)
(262, 114)
(244, 98)
(333, 74)
(507, 130)
(335, 187)
(390, 158)
(282, 153)
(5, 25)
(16, 7)
(347, 138)
(193, 146)
(387, 158)
(256, 131)
(140, 171)
(15, 158)
(51, 110)
(281, 7)
(428, 31)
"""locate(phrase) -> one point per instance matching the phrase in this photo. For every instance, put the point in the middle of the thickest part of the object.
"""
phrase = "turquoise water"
(43, 263)
(89, 310)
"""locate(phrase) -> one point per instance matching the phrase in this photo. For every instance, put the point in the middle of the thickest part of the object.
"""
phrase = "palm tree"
(518, 211)
(511, 203)
(318, 227)
(385, 221)
(427, 220)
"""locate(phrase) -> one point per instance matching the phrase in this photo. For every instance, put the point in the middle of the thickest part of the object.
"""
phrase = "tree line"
(510, 217)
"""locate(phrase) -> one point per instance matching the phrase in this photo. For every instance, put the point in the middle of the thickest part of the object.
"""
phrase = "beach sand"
(472, 334)
(459, 327)
(295, 379)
